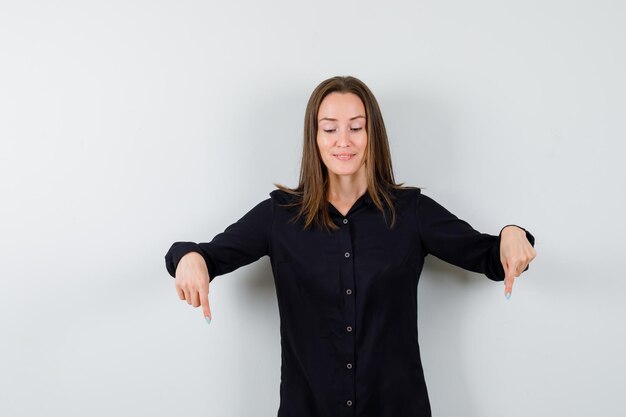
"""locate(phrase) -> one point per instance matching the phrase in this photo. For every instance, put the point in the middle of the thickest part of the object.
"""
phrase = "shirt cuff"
(176, 253)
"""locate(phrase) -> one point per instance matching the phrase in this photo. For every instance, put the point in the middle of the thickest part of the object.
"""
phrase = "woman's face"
(341, 133)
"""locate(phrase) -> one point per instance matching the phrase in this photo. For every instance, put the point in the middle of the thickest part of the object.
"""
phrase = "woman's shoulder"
(281, 196)
(406, 192)
(421, 199)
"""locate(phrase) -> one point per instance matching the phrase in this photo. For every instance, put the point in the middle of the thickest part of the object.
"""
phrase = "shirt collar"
(367, 198)
(285, 197)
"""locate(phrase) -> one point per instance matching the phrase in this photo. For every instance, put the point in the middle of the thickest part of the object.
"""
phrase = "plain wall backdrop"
(128, 125)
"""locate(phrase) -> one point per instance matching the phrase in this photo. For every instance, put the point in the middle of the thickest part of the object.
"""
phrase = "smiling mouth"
(344, 156)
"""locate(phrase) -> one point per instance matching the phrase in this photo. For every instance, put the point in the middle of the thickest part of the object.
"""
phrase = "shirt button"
(347, 254)
(348, 291)
(349, 402)
(349, 366)
(345, 221)
(349, 328)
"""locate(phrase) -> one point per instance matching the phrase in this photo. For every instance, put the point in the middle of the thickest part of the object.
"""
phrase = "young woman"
(347, 247)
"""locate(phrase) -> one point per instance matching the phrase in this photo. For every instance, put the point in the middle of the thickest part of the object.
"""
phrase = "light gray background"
(127, 125)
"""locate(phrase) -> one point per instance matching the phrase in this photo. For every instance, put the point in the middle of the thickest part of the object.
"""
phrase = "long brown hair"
(311, 192)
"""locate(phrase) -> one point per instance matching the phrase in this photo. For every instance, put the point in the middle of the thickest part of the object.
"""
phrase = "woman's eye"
(354, 129)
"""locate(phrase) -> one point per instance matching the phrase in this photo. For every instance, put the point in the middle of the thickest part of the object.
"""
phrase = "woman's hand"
(516, 252)
(192, 282)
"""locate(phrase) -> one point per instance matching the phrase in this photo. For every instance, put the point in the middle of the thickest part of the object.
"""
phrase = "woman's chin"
(344, 172)
(345, 168)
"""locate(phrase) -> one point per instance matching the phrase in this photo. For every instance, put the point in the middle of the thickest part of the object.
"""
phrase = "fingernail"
(208, 319)
(508, 295)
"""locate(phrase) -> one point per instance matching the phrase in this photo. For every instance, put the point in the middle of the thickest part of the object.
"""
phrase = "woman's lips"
(344, 156)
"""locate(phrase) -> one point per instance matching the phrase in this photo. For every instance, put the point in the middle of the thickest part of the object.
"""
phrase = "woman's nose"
(344, 137)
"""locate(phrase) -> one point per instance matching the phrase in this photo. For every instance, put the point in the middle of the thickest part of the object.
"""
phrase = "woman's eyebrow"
(334, 120)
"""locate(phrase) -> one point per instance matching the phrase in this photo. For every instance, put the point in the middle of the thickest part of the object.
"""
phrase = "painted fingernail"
(208, 319)
(508, 295)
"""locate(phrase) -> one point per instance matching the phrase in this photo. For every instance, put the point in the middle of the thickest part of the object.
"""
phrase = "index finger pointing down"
(206, 309)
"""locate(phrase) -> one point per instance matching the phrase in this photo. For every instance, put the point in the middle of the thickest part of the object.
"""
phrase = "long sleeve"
(241, 243)
(455, 241)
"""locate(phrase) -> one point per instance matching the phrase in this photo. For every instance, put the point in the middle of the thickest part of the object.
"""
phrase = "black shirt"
(348, 298)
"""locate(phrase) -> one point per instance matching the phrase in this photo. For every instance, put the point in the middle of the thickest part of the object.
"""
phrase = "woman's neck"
(346, 188)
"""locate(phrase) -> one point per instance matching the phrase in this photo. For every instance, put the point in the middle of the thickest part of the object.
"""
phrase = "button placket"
(348, 281)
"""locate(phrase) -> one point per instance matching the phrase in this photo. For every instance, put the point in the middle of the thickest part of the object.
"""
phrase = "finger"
(206, 309)
(509, 278)
(523, 268)
(181, 293)
(529, 254)
(195, 298)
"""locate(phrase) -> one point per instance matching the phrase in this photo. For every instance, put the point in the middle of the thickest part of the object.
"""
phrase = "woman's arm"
(455, 241)
(241, 243)
(194, 265)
